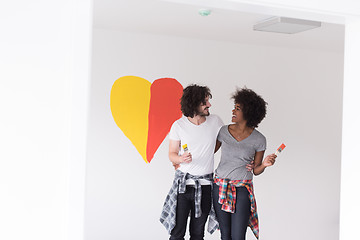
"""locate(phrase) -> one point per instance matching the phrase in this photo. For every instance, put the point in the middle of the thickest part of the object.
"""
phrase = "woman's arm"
(260, 165)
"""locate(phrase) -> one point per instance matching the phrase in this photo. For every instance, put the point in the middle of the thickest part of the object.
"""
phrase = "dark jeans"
(233, 226)
(186, 205)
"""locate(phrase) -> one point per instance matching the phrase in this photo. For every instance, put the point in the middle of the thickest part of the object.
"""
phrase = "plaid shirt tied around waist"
(168, 214)
(227, 198)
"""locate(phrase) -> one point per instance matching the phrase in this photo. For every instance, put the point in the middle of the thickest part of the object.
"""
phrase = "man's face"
(203, 109)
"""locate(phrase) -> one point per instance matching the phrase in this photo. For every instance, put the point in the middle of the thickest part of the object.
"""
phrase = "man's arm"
(217, 146)
(175, 158)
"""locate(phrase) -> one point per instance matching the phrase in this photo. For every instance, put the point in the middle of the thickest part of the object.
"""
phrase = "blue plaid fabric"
(168, 214)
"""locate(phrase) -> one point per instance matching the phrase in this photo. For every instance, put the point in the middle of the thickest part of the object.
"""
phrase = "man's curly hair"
(252, 106)
(193, 96)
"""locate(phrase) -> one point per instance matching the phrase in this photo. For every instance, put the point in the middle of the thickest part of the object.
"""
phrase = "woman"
(241, 143)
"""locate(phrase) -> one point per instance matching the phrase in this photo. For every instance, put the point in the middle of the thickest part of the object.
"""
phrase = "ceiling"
(183, 20)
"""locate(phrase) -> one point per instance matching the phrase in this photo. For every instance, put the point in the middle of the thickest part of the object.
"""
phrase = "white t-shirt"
(200, 140)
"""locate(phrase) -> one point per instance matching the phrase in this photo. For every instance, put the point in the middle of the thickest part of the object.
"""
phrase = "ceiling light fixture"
(204, 12)
(285, 25)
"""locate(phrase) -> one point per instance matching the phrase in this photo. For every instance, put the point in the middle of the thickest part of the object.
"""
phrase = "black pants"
(233, 226)
(186, 205)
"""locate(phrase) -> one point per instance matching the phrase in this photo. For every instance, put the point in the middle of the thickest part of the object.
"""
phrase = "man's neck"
(197, 119)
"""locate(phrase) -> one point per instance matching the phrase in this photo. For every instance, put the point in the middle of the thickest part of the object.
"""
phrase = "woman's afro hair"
(252, 106)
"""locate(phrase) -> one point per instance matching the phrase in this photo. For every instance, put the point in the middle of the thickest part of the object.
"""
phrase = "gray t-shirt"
(235, 155)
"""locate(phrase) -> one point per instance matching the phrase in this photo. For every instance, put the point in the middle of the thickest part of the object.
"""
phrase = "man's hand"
(250, 166)
(176, 166)
(186, 158)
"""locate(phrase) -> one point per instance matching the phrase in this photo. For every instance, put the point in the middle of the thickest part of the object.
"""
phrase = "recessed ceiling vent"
(286, 25)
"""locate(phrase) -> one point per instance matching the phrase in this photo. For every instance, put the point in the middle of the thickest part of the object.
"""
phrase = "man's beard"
(203, 113)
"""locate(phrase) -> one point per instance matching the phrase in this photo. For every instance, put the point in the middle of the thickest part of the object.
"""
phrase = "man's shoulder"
(179, 122)
(175, 128)
(215, 118)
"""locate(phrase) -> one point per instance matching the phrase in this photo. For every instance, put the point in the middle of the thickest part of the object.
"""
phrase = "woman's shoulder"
(256, 133)
(225, 127)
(223, 130)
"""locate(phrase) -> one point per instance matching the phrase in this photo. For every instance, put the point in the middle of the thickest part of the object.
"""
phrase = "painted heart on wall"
(144, 111)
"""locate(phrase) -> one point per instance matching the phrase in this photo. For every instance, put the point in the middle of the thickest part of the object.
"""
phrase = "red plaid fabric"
(227, 197)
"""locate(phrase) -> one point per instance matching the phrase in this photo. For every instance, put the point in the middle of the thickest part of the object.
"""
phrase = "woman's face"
(237, 115)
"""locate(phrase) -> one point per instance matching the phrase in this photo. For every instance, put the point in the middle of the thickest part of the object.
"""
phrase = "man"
(191, 190)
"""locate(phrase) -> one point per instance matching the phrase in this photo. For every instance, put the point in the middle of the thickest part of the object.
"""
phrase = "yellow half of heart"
(129, 102)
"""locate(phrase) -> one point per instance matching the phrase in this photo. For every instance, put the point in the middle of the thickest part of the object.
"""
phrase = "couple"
(227, 197)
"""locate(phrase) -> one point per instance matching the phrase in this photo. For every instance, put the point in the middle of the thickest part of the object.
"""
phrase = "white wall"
(297, 199)
(40, 60)
(350, 178)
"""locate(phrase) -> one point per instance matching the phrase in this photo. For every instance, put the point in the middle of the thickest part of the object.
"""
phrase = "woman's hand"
(269, 160)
